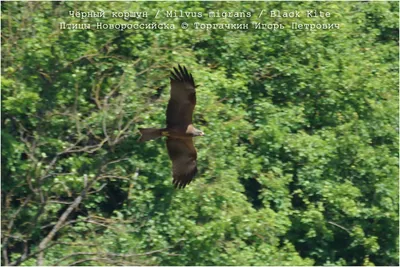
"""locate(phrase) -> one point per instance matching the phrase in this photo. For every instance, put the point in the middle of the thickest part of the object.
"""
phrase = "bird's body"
(180, 130)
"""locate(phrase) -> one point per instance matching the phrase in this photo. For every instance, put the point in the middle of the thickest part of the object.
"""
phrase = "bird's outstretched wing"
(183, 99)
(183, 156)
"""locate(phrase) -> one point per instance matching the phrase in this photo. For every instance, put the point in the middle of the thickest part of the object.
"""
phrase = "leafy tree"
(299, 165)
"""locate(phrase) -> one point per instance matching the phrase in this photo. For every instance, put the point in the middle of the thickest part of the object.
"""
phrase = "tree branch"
(63, 218)
(9, 229)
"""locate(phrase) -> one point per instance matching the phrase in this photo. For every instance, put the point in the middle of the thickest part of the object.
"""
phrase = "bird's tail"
(149, 134)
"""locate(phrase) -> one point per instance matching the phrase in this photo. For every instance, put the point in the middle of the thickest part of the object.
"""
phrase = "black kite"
(179, 130)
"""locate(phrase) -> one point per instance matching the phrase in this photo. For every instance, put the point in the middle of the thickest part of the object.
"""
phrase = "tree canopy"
(299, 164)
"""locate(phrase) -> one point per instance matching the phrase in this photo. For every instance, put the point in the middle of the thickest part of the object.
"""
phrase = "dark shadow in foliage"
(158, 93)
(252, 191)
(115, 195)
(297, 201)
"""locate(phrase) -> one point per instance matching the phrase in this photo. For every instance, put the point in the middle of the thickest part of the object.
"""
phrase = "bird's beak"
(202, 134)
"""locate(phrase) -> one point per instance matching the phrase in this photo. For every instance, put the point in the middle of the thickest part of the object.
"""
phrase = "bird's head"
(198, 133)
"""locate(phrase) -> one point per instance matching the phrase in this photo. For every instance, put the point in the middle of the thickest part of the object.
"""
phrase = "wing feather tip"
(182, 181)
(182, 74)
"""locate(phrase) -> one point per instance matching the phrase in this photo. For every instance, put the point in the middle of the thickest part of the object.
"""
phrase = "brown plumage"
(179, 130)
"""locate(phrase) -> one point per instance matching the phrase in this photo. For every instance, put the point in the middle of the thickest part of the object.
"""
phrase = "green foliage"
(299, 165)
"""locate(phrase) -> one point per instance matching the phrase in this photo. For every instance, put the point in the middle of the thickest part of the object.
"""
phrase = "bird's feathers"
(183, 98)
(149, 134)
(183, 156)
(179, 130)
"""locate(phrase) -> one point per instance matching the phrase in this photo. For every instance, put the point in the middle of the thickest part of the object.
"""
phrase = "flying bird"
(180, 130)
